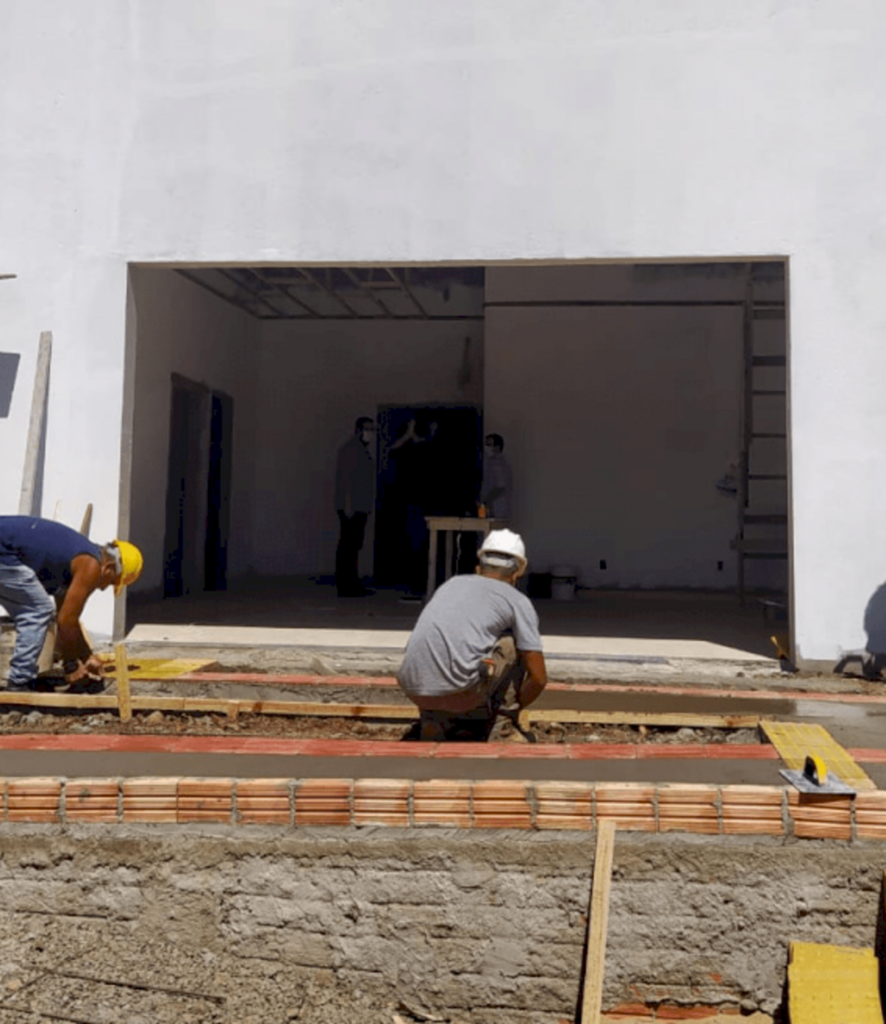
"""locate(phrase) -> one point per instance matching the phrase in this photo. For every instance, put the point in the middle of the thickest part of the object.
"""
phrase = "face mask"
(368, 436)
(490, 449)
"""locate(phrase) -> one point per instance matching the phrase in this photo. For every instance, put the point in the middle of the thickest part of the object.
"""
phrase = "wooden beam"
(124, 696)
(664, 719)
(595, 953)
(218, 705)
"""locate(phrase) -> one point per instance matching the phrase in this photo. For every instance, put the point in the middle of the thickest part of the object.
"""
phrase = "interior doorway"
(198, 489)
(429, 462)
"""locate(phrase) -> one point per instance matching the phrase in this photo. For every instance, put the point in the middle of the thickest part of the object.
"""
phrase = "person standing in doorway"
(354, 498)
(497, 487)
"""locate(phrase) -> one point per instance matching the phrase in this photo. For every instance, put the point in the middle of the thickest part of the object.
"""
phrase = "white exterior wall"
(299, 132)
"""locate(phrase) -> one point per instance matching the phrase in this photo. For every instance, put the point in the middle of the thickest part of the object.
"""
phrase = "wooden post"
(86, 525)
(35, 428)
(595, 954)
(124, 697)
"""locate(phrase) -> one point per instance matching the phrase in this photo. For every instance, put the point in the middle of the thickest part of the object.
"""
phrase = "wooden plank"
(595, 953)
(27, 504)
(630, 718)
(124, 696)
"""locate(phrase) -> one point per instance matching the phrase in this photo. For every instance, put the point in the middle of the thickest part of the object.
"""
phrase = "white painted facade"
(192, 132)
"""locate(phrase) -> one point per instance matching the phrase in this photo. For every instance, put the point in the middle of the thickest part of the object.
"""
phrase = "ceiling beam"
(366, 286)
(405, 288)
(252, 291)
(331, 292)
(284, 290)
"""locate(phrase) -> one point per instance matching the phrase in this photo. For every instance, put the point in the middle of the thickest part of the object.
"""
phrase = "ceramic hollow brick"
(382, 788)
(869, 830)
(756, 795)
(442, 802)
(36, 800)
(205, 788)
(263, 801)
(750, 827)
(442, 789)
(272, 788)
(322, 817)
(809, 830)
(575, 822)
(91, 799)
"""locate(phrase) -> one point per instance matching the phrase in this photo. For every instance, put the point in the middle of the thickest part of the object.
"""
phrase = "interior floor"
(620, 615)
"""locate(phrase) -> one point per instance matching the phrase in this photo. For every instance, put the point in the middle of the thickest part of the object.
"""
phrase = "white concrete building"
(598, 196)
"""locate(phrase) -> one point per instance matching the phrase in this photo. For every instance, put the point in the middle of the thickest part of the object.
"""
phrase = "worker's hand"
(95, 666)
(78, 674)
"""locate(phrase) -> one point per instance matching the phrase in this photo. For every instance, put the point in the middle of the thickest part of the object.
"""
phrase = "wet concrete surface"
(74, 764)
(665, 703)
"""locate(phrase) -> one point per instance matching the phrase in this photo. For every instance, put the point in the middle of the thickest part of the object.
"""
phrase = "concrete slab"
(649, 628)
(394, 641)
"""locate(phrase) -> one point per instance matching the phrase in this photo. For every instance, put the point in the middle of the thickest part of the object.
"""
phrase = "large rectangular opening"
(642, 405)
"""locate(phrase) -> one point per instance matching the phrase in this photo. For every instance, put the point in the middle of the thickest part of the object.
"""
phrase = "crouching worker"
(476, 636)
(41, 561)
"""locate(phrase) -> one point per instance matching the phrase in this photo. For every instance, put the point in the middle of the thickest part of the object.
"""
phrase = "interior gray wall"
(314, 380)
(181, 328)
(619, 420)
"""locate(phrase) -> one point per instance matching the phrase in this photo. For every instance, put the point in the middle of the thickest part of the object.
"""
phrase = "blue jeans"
(32, 610)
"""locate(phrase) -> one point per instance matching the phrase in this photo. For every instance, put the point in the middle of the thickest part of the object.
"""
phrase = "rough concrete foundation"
(145, 924)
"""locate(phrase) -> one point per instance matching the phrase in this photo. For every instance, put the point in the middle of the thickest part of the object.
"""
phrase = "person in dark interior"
(354, 501)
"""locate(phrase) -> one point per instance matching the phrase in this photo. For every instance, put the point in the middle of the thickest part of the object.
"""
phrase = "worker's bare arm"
(86, 577)
(536, 678)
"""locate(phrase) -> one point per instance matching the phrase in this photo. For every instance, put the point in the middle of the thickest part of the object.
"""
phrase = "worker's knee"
(43, 610)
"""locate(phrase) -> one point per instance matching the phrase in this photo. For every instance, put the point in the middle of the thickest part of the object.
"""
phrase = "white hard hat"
(505, 542)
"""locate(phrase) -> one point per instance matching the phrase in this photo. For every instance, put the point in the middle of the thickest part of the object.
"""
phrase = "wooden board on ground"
(794, 741)
(161, 669)
(320, 709)
(568, 715)
(595, 954)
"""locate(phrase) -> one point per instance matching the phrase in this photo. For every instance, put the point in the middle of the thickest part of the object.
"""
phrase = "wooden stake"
(26, 505)
(595, 954)
(124, 697)
(86, 525)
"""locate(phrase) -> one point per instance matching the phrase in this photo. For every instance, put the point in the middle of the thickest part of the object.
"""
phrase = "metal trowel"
(815, 778)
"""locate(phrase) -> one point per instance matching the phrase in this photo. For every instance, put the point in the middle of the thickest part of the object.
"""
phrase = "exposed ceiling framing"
(347, 293)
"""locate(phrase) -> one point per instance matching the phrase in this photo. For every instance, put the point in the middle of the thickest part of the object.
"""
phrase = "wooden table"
(449, 526)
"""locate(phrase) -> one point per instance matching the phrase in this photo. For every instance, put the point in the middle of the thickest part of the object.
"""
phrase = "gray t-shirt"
(459, 627)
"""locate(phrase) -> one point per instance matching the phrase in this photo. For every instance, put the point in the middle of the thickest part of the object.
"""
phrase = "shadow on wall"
(873, 658)
(8, 371)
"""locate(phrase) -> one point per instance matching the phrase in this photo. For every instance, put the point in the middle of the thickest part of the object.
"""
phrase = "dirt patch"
(310, 727)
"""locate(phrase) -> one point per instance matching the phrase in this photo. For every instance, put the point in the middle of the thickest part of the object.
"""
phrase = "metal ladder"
(762, 471)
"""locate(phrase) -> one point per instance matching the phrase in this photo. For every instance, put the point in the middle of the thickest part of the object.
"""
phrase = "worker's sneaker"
(20, 687)
(90, 684)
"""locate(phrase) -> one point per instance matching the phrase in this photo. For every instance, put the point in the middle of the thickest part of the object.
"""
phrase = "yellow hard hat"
(131, 563)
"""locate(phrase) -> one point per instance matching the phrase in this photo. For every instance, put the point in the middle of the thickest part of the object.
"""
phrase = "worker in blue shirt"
(44, 564)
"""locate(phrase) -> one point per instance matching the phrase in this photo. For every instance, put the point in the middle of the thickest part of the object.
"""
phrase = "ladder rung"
(769, 314)
(757, 394)
(770, 435)
(764, 554)
(769, 361)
